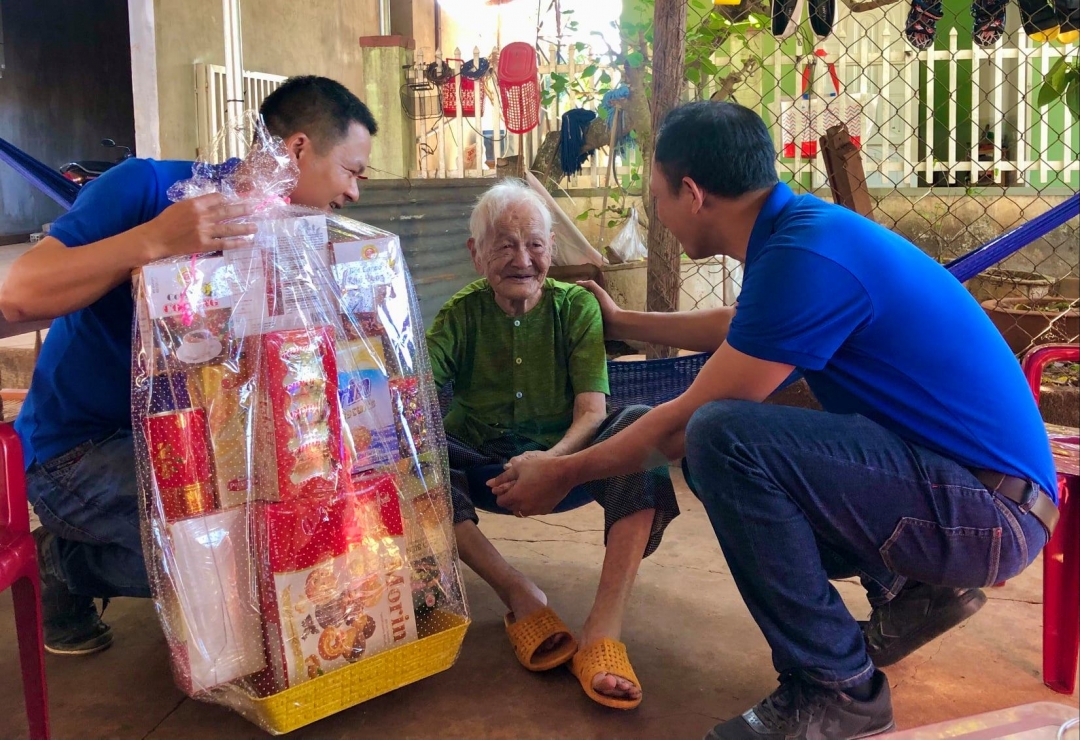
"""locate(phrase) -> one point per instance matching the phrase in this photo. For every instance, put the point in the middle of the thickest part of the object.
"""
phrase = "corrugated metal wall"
(432, 219)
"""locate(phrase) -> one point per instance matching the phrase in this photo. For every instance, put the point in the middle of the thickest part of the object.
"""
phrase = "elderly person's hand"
(531, 486)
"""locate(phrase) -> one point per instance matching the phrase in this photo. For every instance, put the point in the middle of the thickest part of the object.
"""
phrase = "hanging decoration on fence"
(466, 79)
(572, 138)
(921, 26)
(519, 87)
(803, 121)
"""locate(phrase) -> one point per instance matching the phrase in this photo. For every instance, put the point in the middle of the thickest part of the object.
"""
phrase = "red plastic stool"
(1061, 557)
(19, 572)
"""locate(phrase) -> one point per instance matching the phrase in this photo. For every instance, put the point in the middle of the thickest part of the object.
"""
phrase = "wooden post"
(664, 276)
(844, 167)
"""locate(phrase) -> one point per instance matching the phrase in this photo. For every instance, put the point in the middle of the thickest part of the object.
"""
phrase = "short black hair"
(723, 147)
(318, 106)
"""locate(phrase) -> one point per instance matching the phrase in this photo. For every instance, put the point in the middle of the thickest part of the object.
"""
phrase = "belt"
(1018, 490)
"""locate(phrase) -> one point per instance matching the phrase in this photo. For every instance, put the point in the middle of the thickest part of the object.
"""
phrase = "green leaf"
(694, 75)
(1047, 93)
(1058, 74)
(605, 79)
(1072, 97)
(589, 71)
(583, 216)
(579, 46)
(708, 67)
(611, 223)
(603, 113)
(635, 59)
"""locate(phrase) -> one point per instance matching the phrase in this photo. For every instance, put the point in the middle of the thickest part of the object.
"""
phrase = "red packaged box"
(179, 445)
(335, 584)
(300, 419)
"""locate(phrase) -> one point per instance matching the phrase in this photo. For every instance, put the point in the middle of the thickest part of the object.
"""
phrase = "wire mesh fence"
(954, 142)
(946, 99)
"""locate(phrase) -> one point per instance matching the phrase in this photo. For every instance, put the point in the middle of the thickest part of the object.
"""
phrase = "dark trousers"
(797, 497)
(89, 498)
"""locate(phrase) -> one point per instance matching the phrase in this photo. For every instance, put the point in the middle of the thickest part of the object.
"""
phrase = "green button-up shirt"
(517, 374)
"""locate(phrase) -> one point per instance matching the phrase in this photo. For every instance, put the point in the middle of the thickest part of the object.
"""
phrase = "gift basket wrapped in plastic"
(291, 460)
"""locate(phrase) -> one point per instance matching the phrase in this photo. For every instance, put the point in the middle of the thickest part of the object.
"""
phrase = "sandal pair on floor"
(604, 656)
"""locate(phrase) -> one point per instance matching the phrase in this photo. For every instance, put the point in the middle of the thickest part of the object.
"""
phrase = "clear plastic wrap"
(291, 460)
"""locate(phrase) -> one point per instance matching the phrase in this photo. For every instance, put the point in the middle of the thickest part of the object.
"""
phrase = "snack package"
(291, 459)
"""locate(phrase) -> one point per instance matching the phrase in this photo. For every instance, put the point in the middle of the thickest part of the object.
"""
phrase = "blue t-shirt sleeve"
(797, 307)
(118, 201)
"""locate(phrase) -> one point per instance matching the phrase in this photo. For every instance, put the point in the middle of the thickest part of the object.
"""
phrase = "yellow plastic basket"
(435, 651)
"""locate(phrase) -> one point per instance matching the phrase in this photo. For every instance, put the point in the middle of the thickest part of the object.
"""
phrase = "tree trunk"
(664, 274)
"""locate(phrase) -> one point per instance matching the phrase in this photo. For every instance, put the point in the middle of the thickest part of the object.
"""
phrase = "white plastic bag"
(629, 244)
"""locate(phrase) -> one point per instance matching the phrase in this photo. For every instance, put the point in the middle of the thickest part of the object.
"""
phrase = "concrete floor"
(698, 654)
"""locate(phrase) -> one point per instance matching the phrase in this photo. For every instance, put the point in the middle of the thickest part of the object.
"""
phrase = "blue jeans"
(89, 498)
(797, 497)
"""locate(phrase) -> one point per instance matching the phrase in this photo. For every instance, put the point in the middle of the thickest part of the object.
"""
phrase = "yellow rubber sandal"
(604, 656)
(527, 635)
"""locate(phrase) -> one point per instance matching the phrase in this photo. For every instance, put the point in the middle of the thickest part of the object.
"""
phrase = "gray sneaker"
(801, 710)
(71, 622)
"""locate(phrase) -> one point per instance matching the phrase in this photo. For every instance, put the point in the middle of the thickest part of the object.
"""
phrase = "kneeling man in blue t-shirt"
(75, 426)
(928, 475)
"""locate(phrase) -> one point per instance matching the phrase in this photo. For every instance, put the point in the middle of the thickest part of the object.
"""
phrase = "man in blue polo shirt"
(75, 426)
(929, 473)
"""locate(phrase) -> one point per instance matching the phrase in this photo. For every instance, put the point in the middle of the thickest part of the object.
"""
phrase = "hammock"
(44, 178)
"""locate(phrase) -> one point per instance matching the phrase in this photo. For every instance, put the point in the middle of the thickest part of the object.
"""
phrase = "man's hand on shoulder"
(197, 225)
(609, 310)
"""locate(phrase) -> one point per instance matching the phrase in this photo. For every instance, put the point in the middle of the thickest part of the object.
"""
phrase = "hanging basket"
(421, 102)
(519, 87)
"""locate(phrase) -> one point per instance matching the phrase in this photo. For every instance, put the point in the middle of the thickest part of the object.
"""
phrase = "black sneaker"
(71, 622)
(921, 26)
(917, 615)
(989, 21)
(798, 710)
(822, 17)
(786, 16)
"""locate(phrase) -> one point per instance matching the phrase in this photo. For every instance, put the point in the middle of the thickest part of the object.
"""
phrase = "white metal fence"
(211, 94)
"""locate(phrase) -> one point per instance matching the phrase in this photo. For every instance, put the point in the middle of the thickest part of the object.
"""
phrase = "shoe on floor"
(799, 709)
(71, 622)
(917, 615)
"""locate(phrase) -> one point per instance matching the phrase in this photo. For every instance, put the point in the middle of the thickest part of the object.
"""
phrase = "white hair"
(508, 194)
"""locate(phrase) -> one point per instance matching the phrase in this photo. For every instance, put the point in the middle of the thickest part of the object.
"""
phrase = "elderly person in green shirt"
(526, 358)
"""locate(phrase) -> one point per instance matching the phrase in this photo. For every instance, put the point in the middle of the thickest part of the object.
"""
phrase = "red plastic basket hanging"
(468, 96)
(519, 87)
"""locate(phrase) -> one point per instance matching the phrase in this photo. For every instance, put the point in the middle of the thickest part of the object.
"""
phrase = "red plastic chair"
(1061, 558)
(19, 572)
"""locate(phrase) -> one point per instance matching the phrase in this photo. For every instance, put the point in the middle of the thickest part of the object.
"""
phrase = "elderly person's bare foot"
(524, 601)
(608, 684)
